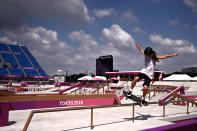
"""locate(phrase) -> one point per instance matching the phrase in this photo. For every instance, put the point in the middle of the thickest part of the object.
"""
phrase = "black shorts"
(147, 80)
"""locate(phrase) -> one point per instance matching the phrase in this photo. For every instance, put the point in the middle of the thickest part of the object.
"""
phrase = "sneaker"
(145, 103)
(129, 94)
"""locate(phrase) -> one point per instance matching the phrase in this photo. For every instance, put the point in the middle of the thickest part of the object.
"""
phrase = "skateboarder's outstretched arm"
(159, 57)
(140, 48)
(167, 56)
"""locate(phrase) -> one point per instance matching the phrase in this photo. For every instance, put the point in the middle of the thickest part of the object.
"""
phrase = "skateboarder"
(147, 73)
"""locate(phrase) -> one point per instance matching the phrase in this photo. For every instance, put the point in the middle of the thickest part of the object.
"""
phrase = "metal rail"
(97, 107)
(170, 94)
(75, 108)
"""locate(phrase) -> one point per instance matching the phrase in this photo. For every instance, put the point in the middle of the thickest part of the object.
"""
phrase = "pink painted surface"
(60, 103)
(22, 105)
(4, 114)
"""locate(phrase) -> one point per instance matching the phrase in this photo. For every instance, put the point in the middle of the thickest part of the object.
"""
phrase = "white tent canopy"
(194, 78)
(178, 77)
(85, 78)
(99, 78)
(95, 78)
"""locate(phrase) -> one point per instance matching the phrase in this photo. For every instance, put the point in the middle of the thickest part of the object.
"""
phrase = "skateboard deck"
(133, 97)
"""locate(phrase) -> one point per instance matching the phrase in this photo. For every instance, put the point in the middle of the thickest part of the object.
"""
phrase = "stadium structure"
(17, 63)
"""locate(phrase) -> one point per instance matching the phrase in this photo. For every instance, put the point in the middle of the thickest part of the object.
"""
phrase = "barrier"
(22, 102)
(77, 85)
(160, 88)
(88, 107)
(178, 89)
(172, 95)
(75, 108)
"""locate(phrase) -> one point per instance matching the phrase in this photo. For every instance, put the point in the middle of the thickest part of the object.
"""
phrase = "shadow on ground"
(140, 117)
(11, 123)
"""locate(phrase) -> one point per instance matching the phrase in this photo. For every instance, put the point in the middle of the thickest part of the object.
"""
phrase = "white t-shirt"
(149, 67)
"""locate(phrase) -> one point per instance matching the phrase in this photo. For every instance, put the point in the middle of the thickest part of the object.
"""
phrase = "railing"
(170, 98)
(77, 85)
(100, 86)
(183, 99)
(160, 88)
(119, 89)
(82, 89)
(92, 108)
(95, 88)
(76, 108)
(178, 89)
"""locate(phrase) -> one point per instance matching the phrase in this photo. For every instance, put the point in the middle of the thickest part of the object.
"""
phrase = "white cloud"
(104, 12)
(137, 30)
(45, 45)
(129, 15)
(186, 49)
(81, 53)
(6, 40)
(118, 37)
(112, 51)
(179, 45)
(191, 4)
(86, 40)
(53, 53)
(86, 58)
(46, 40)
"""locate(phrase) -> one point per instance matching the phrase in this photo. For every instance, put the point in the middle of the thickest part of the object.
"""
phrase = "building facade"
(104, 64)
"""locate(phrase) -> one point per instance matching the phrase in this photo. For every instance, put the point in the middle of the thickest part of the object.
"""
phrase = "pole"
(91, 119)
(164, 109)
(187, 107)
(133, 111)
(28, 121)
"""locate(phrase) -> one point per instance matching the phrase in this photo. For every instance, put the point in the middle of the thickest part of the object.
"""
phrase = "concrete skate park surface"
(104, 119)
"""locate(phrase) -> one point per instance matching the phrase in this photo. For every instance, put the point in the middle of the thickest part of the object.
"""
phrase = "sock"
(143, 98)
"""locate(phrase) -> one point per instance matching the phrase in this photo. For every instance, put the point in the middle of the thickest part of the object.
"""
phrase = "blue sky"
(70, 34)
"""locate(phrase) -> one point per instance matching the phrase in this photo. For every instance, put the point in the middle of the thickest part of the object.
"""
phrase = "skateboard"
(134, 98)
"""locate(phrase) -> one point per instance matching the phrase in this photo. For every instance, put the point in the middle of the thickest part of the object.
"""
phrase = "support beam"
(91, 124)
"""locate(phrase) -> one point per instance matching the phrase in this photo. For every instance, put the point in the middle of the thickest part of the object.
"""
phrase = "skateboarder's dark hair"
(150, 52)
